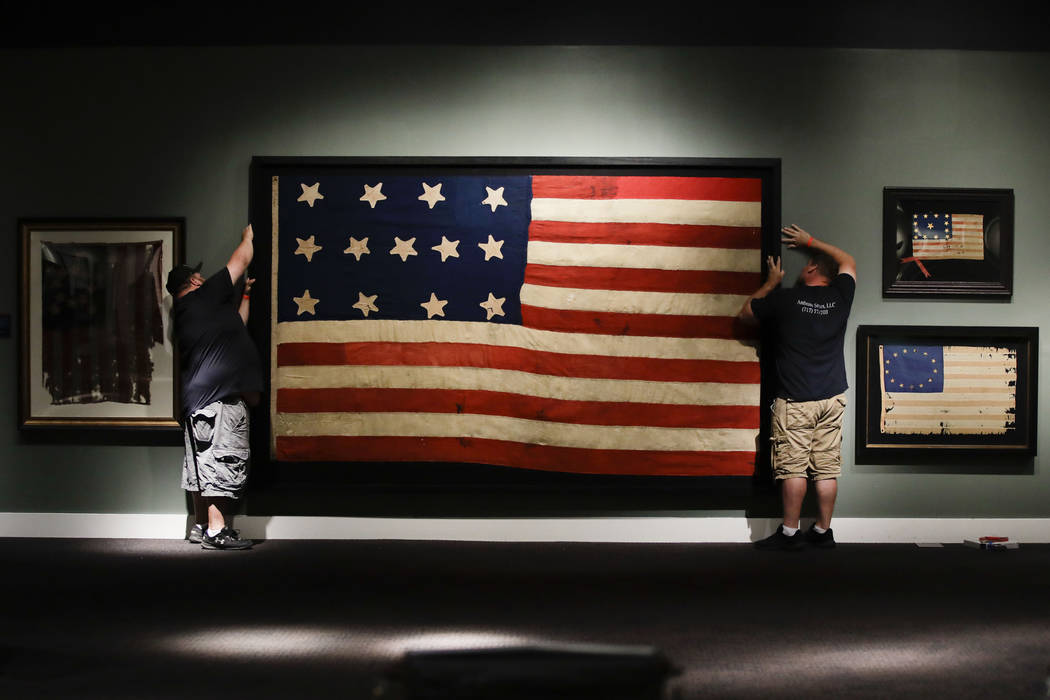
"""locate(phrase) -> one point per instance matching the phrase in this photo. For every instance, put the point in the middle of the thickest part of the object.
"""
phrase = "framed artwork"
(935, 393)
(948, 243)
(535, 316)
(97, 362)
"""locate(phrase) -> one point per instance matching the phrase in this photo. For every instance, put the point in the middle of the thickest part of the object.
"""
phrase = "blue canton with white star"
(934, 227)
(403, 209)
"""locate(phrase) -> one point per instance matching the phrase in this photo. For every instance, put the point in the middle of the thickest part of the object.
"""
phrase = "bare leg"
(220, 512)
(827, 490)
(792, 491)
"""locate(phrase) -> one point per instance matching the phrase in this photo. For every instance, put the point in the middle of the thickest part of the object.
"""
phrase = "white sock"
(789, 531)
(213, 533)
(819, 530)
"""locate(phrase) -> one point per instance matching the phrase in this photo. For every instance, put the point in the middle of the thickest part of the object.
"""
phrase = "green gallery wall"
(146, 132)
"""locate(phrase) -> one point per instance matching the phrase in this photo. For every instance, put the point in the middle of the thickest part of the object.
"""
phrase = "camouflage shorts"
(220, 438)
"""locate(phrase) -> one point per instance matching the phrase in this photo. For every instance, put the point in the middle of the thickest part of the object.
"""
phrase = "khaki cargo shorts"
(219, 432)
(807, 438)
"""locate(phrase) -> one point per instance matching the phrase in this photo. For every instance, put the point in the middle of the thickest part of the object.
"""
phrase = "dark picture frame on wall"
(948, 243)
(97, 362)
(945, 393)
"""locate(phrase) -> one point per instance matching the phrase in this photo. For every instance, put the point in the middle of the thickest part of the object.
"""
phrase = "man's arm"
(242, 255)
(795, 237)
(246, 299)
(776, 274)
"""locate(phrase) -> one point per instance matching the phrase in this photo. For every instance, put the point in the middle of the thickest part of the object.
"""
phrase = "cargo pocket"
(796, 417)
(231, 450)
(233, 429)
(204, 427)
(231, 473)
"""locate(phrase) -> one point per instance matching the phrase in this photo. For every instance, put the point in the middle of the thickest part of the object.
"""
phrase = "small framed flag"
(930, 393)
(948, 243)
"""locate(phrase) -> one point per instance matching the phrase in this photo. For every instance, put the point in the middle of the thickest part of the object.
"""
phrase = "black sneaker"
(778, 540)
(226, 538)
(196, 534)
(824, 540)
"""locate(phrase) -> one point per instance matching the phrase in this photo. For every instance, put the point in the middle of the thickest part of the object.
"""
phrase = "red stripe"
(643, 280)
(514, 454)
(495, 403)
(659, 325)
(646, 234)
(726, 189)
(520, 359)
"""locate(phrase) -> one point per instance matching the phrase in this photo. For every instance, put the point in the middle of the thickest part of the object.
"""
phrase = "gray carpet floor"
(333, 619)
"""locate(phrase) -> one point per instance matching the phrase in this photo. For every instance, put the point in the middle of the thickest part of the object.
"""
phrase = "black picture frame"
(271, 473)
(922, 424)
(973, 260)
(97, 362)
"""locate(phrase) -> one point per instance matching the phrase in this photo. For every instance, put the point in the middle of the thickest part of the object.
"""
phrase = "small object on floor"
(226, 538)
(778, 540)
(196, 534)
(823, 540)
(996, 543)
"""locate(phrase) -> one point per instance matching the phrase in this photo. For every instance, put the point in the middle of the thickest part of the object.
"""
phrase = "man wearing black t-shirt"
(221, 378)
(809, 324)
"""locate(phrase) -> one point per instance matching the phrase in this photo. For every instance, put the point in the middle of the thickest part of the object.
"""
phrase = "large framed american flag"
(536, 316)
(946, 393)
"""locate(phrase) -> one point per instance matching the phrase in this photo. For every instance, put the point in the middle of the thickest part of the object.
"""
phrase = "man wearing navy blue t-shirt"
(808, 322)
(221, 379)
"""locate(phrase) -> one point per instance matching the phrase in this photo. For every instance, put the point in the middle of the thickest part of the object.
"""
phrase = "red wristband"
(809, 241)
(247, 296)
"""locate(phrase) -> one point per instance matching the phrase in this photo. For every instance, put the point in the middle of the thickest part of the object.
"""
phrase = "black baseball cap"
(179, 275)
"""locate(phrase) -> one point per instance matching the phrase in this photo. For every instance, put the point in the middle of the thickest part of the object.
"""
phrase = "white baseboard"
(609, 529)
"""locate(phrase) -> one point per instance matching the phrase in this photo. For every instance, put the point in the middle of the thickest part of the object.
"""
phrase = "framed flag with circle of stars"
(948, 243)
(946, 393)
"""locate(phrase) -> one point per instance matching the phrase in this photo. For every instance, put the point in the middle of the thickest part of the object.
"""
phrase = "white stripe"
(642, 257)
(900, 409)
(517, 382)
(1001, 398)
(652, 211)
(953, 384)
(972, 353)
(440, 425)
(665, 303)
(506, 335)
(936, 427)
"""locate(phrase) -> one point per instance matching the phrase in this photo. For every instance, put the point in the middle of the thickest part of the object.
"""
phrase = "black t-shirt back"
(810, 327)
(218, 358)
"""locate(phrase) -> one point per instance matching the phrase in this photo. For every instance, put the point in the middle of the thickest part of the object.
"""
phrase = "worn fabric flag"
(565, 323)
(101, 317)
(948, 390)
(948, 236)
